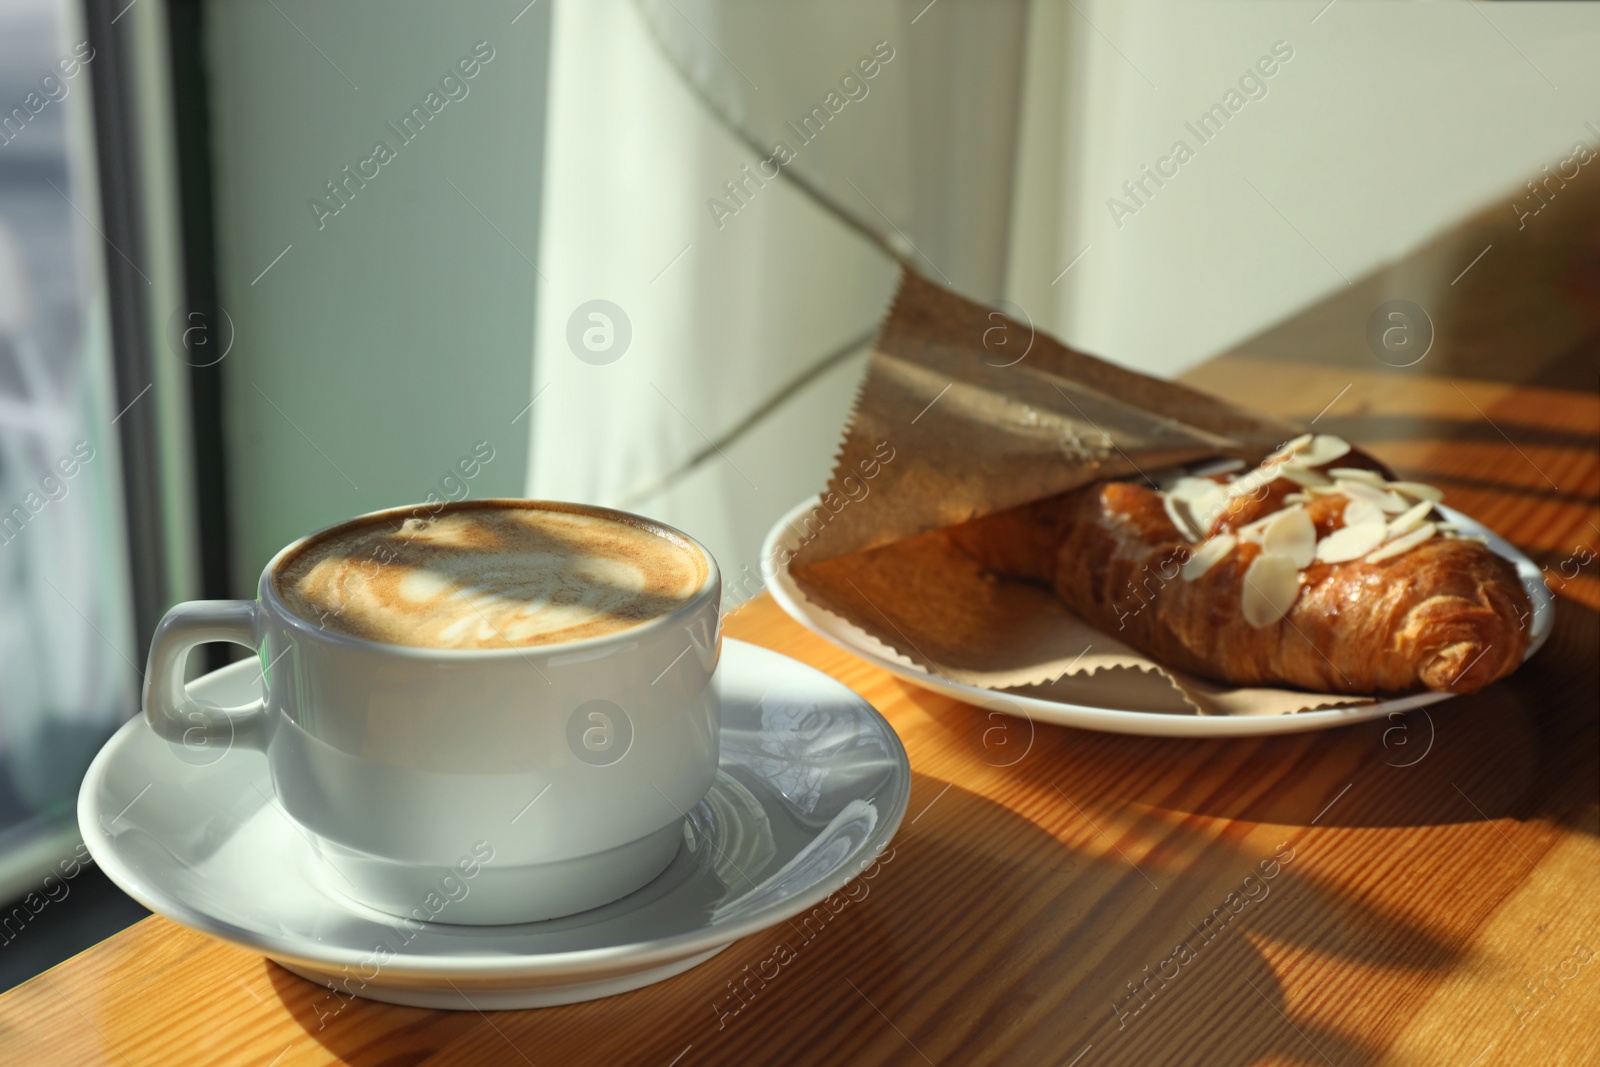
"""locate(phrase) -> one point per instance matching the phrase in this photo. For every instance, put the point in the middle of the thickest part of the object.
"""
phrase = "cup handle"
(169, 709)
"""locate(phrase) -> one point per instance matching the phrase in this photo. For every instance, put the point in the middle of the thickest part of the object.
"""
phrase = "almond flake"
(1271, 586)
(1249, 483)
(1361, 511)
(1352, 542)
(1357, 474)
(1178, 511)
(1188, 486)
(1407, 521)
(1323, 449)
(1206, 505)
(1418, 491)
(1402, 544)
(1207, 556)
(1395, 504)
(1264, 475)
(1362, 491)
(1291, 447)
(1251, 533)
(1303, 476)
(1291, 534)
(1202, 499)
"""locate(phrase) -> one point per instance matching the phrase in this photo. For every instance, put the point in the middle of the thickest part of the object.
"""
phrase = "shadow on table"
(1021, 931)
(987, 936)
(1526, 748)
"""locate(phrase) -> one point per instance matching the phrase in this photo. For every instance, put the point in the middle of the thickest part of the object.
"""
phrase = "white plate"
(813, 784)
(1080, 701)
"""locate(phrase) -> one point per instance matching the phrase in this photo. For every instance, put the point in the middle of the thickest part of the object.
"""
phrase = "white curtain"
(748, 320)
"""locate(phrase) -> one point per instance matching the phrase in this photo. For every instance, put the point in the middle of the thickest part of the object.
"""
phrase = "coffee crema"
(490, 574)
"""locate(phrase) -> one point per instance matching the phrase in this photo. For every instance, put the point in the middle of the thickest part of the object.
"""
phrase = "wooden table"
(1432, 897)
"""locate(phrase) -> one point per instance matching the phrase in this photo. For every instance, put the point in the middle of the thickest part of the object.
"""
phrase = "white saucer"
(1083, 702)
(812, 785)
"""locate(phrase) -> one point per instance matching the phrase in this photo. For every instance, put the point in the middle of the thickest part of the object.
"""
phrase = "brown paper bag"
(965, 412)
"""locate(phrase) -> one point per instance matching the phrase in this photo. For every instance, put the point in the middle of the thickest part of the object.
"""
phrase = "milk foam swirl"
(490, 575)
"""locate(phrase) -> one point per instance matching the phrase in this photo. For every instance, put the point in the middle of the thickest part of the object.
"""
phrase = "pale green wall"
(399, 334)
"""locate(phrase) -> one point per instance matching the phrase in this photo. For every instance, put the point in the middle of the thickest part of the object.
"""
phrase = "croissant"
(1315, 570)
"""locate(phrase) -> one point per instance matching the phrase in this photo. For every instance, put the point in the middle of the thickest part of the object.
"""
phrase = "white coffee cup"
(472, 786)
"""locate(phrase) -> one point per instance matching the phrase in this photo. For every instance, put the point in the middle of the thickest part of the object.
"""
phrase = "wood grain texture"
(1432, 903)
